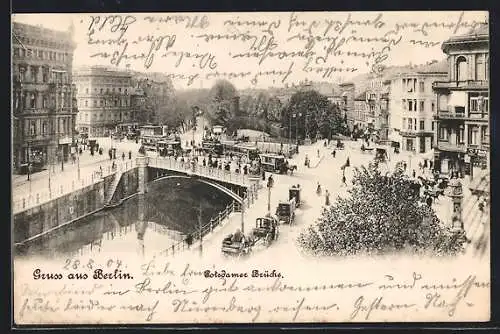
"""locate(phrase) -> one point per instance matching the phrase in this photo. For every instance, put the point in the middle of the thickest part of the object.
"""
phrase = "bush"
(381, 215)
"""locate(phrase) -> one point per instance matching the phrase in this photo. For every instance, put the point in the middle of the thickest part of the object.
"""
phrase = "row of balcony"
(416, 133)
(41, 111)
(445, 114)
(473, 84)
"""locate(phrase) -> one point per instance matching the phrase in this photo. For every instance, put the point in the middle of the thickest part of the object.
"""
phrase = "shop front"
(64, 148)
(447, 163)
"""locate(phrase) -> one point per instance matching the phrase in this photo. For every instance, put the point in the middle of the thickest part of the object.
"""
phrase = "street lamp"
(269, 186)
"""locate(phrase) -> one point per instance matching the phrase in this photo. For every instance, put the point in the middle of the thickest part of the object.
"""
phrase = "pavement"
(326, 170)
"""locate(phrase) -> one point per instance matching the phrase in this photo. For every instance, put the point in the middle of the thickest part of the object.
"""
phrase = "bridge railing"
(58, 187)
(208, 172)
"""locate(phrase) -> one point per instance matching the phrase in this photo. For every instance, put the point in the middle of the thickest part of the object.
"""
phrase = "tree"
(381, 215)
(303, 112)
(221, 98)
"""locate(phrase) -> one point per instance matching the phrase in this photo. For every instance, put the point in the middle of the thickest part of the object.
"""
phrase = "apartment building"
(415, 104)
(462, 118)
(103, 99)
(43, 96)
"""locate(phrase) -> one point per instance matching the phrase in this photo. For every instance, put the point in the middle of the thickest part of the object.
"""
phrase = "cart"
(274, 163)
(294, 192)
(286, 211)
(234, 246)
(340, 145)
(266, 230)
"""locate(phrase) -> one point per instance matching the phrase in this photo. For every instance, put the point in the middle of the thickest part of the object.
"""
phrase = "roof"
(479, 30)
(361, 97)
(434, 67)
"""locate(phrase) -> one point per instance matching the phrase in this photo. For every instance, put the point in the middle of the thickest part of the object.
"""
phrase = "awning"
(458, 98)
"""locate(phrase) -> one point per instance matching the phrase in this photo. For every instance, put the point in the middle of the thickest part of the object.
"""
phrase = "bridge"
(233, 184)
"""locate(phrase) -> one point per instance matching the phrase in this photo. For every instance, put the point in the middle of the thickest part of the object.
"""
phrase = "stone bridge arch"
(215, 185)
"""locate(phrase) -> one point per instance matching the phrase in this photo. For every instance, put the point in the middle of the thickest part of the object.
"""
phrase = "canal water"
(148, 223)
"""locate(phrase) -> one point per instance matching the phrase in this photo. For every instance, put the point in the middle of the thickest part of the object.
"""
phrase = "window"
(422, 125)
(461, 134)
(421, 86)
(95, 103)
(404, 104)
(32, 128)
(86, 103)
(480, 67)
(461, 69)
(45, 102)
(432, 126)
(32, 100)
(86, 90)
(410, 123)
(443, 133)
(119, 90)
(126, 91)
(433, 106)
(422, 105)
(410, 105)
(473, 136)
(404, 123)
(484, 134)
(101, 91)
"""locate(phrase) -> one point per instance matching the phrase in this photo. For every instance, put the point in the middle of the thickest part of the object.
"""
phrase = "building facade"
(43, 96)
(103, 100)
(347, 92)
(415, 105)
(462, 129)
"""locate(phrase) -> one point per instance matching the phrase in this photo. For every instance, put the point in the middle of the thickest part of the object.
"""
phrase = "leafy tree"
(221, 97)
(381, 215)
(303, 112)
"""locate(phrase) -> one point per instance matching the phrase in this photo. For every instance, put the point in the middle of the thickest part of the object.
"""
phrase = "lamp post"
(242, 215)
(269, 186)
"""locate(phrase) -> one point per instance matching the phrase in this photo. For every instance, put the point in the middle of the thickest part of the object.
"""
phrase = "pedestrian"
(327, 197)
(204, 162)
(318, 153)
(130, 155)
(334, 153)
(348, 162)
(123, 155)
(344, 181)
(425, 163)
(405, 165)
(414, 174)
(430, 164)
(100, 170)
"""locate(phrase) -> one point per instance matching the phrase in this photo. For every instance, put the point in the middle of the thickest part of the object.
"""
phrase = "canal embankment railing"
(206, 229)
(59, 187)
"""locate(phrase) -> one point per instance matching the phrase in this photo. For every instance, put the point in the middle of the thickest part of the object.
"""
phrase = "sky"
(394, 38)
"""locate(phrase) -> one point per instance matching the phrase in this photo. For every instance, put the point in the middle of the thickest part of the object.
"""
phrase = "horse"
(291, 168)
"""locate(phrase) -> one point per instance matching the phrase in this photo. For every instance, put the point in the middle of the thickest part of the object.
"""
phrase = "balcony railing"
(445, 114)
(447, 146)
(482, 84)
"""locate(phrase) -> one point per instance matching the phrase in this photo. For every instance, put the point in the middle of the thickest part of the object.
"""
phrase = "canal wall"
(72, 207)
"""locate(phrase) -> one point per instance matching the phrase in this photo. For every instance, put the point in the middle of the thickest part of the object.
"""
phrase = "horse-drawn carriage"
(285, 211)
(274, 163)
(294, 193)
(266, 231)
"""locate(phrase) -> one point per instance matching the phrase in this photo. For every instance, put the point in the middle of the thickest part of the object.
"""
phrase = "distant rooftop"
(361, 96)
